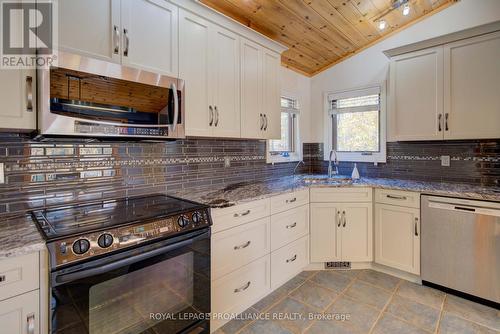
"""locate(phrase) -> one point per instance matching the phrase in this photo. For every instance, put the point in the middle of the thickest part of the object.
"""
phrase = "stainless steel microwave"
(91, 98)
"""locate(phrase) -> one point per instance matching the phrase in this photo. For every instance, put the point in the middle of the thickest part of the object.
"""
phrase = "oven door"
(159, 288)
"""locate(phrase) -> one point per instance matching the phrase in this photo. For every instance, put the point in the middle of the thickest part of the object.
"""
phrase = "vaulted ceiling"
(321, 33)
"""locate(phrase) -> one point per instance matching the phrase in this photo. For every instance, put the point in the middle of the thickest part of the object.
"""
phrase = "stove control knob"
(182, 221)
(197, 218)
(81, 246)
(105, 240)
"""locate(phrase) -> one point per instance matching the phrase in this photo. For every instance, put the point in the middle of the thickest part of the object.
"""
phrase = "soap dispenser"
(355, 172)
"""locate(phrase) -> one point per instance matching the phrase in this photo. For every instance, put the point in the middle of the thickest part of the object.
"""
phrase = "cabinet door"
(271, 94)
(194, 70)
(90, 28)
(416, 96)
(472, 88)
(325, 241)
(225, 67)
(150, 36)
(20, 314)
(252, 121)
(18, 96)
(356, 232)
(397, 237)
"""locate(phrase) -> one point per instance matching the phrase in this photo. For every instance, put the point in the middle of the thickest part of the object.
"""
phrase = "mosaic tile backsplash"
(40, 174)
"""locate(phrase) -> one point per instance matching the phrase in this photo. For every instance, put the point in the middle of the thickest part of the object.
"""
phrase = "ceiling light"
(382, 24)
(406, 9)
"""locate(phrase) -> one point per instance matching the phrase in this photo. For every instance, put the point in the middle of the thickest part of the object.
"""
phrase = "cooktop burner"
(82, 218)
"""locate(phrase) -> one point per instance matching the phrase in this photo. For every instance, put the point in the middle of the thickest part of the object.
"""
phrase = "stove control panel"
(74, 249)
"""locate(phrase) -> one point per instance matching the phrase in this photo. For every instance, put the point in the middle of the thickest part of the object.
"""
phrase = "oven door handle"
(65, 278)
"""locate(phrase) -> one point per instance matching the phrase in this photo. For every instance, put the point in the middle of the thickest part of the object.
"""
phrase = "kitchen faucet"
(332, 171)
(297, 165)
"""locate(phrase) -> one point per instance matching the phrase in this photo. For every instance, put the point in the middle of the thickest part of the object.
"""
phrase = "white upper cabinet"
(150, 36)
(252, 115)
(91, 28)
(416, 96)
(138, 33)
(18, 96)
(472, 88)
(271, 94)
(194, 58)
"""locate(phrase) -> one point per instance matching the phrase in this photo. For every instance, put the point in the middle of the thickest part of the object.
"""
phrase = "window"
(355, 125)
(286, 148)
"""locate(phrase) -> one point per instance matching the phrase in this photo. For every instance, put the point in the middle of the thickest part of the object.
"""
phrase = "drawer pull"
(243, 288)
(242, 214)
(245, 245)
(3, 278)
(291, 200)
(30, 322)
(403, 198)
(292, 225)
(292, 259)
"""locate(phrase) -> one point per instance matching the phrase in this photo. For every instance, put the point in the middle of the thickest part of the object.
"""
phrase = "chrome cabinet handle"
(243, 288)
(291, 200)
(439, 122)
(127, 42)
(29, 94)
(245, 245)
(30, 323)
(291, 225)
(396, 197)
(265, 122)
(345, 219)
(446, 122)
(292, 259)
(339, 219)
(3, 278)
(242, 214)
(211, 115)
(216, 116)
(416, 226)
(116, 39)
(261, 122)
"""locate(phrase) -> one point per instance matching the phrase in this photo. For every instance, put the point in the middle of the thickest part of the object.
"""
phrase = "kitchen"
(235, 166)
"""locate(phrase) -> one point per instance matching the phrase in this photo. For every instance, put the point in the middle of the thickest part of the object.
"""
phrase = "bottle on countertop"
(355, 172)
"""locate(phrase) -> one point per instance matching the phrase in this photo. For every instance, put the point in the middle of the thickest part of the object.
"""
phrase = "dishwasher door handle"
(464, 208)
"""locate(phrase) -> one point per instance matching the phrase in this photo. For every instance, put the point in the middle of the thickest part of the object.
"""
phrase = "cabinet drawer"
(289, 261)
(18, 275)
(289, 226)
(240, 214)
(288, 201)
(237, 291)
(397, 197)
(20, 313)
(239, 246)
(341, 194)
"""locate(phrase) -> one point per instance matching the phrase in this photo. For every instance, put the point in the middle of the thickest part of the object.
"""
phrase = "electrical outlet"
(445, 160)
(2, 178)
(227, 162)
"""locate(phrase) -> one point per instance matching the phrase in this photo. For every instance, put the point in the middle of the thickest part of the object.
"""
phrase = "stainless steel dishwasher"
(460, 245)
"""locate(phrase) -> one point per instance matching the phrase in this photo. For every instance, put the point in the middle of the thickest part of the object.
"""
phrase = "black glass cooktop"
(81, 218)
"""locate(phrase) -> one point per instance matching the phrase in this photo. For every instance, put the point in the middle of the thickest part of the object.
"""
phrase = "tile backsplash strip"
(40, 174)
(472, 161)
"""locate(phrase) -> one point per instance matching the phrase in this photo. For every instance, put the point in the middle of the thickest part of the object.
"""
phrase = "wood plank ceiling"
(321, 33)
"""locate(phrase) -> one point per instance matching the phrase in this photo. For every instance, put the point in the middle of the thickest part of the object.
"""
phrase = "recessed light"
(382, 24)
(406, 9)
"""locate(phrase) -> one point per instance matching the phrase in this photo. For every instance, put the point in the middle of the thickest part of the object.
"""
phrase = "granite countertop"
(238, 193)
(19, 236)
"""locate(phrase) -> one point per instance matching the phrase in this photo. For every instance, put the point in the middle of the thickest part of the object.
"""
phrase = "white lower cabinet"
(397, 237)
(21, 314)
(288, 226)
(324, 229)
(288, 261)
(356, 232)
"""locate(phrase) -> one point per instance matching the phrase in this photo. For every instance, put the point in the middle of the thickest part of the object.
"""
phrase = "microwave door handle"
(176, 106)
(65, 278)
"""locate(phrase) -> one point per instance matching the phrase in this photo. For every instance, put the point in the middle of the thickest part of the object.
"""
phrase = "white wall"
(299, 86)
(371, 65)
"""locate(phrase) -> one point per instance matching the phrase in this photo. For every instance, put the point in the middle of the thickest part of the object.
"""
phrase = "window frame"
(296, 154)
(329, 119)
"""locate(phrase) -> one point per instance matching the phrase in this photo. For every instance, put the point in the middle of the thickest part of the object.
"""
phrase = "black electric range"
(129, 265)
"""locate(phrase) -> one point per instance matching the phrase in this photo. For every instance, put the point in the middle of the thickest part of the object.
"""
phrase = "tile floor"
(373, 301)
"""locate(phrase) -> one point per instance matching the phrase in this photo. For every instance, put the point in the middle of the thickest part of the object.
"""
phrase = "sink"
(325, 179)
